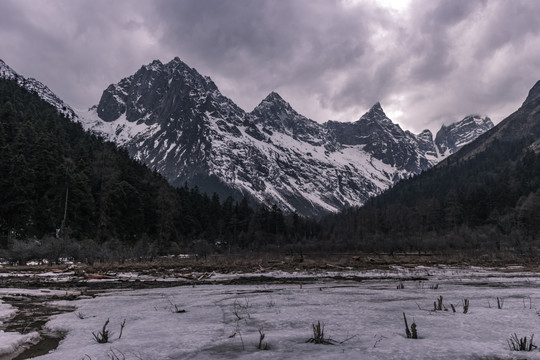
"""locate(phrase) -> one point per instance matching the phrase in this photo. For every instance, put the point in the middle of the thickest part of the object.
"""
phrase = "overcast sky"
(428, 62)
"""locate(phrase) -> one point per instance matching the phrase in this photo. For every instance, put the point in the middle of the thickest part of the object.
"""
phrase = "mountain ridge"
(178, 123)
(39, 88)
(484, 198)
(272, 153)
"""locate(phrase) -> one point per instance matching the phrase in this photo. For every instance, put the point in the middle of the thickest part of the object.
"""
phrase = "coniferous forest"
(67, 193)
(486, 197)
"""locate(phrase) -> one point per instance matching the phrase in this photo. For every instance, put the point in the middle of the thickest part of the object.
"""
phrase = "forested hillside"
(487, 196)
(60, 185)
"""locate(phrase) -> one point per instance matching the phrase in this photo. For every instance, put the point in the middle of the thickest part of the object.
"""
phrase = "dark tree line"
(65, 192)
(490, 201)
(57, 181)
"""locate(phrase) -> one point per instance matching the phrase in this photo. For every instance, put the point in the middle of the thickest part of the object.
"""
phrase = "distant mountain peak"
(155, 85)
(177, 62)
(426, 135)
(534, 94)
(274, 103)
(377, 107)
(376, 113)
(450, 138)
(276, 114)
(274, 97)
(177, 122)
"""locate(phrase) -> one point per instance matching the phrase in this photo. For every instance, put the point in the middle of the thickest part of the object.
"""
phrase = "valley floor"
(195, 314)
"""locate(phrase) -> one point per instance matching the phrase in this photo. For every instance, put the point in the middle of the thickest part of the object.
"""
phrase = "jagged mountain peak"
(375, 113)
(426, 135)
(275, 103)
(154, 63)
(275, 98)
(156, 83)
(175, 63)
(275, 114)
(377, 107)
(534, 94)
(450, 138)
(175, 120)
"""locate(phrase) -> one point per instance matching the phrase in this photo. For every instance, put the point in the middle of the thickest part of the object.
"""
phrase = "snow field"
(12, 342)
(369, 314)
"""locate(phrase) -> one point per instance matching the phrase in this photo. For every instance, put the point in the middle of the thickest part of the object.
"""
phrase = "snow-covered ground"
(365, 313)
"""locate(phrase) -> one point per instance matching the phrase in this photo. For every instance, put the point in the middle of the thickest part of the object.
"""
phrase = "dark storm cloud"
(429, 63)
(74, 47)
(294, 46)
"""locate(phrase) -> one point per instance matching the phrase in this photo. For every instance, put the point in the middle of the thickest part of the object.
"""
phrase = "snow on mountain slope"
(177, 122)
(37, 87)
(453, 137)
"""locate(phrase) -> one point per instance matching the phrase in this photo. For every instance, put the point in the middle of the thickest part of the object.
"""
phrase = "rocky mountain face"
(37, 87)
(178, 123)
(384, 140)
(484, 197)
(522, 126)
(451, 138)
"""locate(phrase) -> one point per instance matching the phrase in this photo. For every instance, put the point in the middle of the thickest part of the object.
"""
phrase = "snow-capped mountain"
(33, 85)
(384, 140)
(177, 122)
(453, 137)
(403, 149)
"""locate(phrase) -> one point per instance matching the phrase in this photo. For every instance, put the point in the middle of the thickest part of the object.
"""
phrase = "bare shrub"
(262, 346)
(122, 328)
(239, 333)
(438, 305)
(412, 333)
(102, 336)
(318, 335)
(523, 344)
(465, 305)
(239, 308)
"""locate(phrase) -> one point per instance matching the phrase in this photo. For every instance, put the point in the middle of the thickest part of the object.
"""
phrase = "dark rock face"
(177, 122)
(275, 115)
(534, 94)
(451, 138)
(383, 139)
(425, 144)
(110, 108)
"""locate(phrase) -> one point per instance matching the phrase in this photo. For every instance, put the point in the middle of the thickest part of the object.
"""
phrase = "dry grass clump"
(102, 336)
(319, 337)
(412, 333)
(521, 344)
